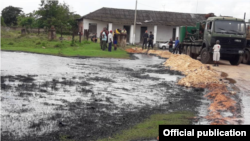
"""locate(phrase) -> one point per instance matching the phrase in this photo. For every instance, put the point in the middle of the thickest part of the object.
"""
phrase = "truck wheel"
(206, 56)
(236, 60)
(246, 57)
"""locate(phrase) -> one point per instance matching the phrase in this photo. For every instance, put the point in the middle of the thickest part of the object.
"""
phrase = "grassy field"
(148, 129)
(13, 41)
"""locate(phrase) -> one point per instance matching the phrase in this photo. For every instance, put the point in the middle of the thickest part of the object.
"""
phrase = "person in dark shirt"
(94, 39)
(145, 40)
(170, 45)
(115, 40)
(151, 39)
(176, 49)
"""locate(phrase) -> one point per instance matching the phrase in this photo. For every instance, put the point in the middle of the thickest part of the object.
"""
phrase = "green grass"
(149, 129)
(11, 41)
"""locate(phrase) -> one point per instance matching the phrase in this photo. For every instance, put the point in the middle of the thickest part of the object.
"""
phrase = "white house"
(164, 25)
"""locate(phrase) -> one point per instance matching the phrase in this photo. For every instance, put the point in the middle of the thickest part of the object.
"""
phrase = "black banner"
(203, 132)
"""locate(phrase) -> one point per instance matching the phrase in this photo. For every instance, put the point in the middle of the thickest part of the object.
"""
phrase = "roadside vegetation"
(148, 129)
(34, 43)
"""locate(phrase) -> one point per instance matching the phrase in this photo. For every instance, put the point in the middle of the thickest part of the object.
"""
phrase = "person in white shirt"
(110, 40)
(216, 55)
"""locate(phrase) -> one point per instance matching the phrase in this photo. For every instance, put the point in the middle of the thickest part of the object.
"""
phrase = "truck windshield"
(230, 27)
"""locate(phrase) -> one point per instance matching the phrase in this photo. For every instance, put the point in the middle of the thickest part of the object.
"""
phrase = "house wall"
(164, 33)
(100, 25)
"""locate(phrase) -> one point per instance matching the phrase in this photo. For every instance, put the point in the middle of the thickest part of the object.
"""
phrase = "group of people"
(108, 37)
(147, 39)
(176, 48)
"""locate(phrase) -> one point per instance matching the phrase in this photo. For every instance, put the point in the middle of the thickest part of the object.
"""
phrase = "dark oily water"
(45, 96)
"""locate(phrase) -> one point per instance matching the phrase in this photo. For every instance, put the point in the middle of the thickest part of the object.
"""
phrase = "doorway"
(143, 29)
(92, 28)
(174, 34)
(127, 28)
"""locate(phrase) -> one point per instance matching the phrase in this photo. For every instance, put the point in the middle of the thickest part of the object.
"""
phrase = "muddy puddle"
(44, 97)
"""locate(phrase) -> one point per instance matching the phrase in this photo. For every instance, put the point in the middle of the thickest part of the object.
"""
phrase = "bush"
(72, 44)
(86, 42)
(38, 43)
(43, 44)
(10, 43)
(1, 42)
(60, 45)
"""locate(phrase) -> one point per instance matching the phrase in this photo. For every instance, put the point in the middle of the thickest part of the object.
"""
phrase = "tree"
(10, 15)
(26, 21)
(49, 2)
(2, 21)
(48, 13)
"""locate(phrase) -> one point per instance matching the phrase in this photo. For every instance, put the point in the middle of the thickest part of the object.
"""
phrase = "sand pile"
(183, 63)
(202, 76)
(221, 102)
(196, 73)
(163, 54)
(199, 77)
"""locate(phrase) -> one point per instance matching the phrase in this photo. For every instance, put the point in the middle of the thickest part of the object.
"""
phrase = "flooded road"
(46, 96)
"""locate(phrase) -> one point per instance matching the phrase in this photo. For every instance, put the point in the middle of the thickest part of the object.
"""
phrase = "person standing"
(176, 49)
(151, 39)
(115, 40)
(170, 45)
(104, 39)
(110, 40)
(124, 31)
(145, 40)
(216, 55)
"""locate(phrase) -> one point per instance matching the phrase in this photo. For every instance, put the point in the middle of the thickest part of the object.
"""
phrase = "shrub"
(86, 42)
(38, 43)
(1, 42)
(43, 44)
(72, 44)
(60, 45)
(10, 43)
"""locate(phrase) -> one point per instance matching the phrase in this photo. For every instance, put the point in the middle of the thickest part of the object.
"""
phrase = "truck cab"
(231, 32)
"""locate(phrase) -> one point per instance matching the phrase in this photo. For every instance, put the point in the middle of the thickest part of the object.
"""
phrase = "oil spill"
(86, 99)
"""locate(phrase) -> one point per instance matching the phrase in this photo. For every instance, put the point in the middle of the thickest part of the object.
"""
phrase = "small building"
(164, 25)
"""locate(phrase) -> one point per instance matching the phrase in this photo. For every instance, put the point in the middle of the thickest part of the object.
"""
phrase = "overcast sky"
(234, 8)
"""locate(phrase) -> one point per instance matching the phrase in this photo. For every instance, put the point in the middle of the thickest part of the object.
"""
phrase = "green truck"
(199, 40)
(246, 55)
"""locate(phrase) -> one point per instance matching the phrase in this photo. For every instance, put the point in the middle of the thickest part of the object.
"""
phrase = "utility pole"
(196, 6)
(135, 22)
(244, 15)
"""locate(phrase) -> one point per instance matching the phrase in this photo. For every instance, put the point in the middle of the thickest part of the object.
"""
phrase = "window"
(92, 28)
(230, 27)
(209, 25)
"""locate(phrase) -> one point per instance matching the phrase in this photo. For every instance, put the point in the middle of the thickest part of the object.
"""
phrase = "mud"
(85, 99)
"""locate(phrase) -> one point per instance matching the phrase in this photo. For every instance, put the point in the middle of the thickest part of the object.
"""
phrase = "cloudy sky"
(234, 8)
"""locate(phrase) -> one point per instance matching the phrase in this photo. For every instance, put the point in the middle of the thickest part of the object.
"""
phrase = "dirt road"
(241, 74)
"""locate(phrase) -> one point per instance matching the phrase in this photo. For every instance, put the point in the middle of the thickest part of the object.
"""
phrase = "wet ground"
(241, 77)
(44, 97)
